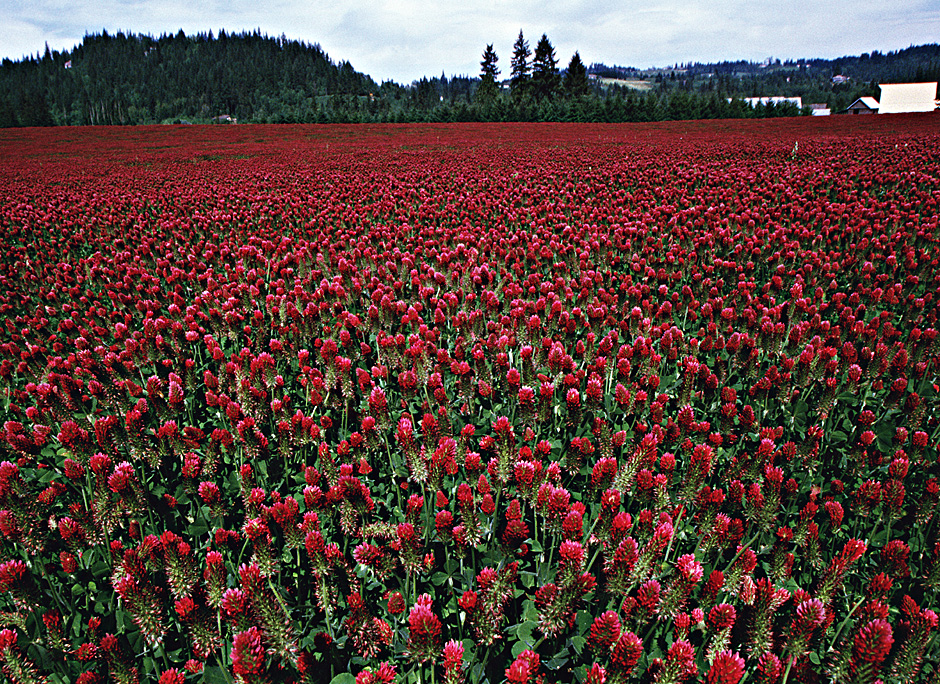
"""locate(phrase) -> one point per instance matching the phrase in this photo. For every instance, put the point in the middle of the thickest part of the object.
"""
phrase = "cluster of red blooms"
(291, 405)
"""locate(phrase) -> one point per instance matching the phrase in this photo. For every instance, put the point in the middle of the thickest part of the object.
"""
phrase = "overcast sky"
(402, 40)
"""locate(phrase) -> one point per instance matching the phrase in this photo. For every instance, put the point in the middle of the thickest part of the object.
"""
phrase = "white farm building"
(898, 98)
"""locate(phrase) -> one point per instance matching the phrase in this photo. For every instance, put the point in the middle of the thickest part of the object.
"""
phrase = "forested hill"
(916, 63)
(254, 78)
(127, 78)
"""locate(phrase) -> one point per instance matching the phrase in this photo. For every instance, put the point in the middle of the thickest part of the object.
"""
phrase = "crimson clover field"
(471, 403)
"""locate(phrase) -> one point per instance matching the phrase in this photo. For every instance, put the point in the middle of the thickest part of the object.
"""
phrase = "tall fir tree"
(545, 78)
(576, 78)
(488, 89)
(520, 69)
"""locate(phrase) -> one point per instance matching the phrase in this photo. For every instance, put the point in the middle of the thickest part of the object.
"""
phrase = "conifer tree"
(520, 78)
(576, 78)
(545, 78)
(488, 89)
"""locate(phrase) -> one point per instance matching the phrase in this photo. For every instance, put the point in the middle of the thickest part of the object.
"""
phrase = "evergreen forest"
(249, 77)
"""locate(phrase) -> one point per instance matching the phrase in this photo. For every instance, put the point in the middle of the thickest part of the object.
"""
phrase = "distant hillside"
(250, 77)
(126, 79)
(913, 64)
(836, 82)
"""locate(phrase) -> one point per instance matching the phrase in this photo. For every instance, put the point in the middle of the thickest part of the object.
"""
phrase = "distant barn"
(899, 98)
(863, 105)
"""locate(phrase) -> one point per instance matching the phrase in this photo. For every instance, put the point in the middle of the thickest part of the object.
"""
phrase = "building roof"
(897, 98)
(866, 102)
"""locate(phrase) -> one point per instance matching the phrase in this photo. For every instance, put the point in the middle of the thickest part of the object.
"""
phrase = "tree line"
(254, 78)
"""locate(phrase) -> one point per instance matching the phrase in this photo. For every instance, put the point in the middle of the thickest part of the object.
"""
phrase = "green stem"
(740, 551)
(166, 661)
(407, 589)
(587, 538)
(495, 513)
(429, 517)
(221, 657)
(486, 659)
(242, 553)
(326, 608)
(55, 591)
(535, 535)
(874, 529)
(675, 532)
(597, 552)
(280, 601)
(786, 674)
(391, 468)
(845, 621)
(453, 596)
(649, 632)
(551, 552)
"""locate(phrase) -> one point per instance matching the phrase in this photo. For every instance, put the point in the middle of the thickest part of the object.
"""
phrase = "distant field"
(635, 83)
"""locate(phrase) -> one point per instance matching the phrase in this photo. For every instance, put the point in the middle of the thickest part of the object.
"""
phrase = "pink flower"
(453, 655)
(728, 668)
(424, 630)
(679, 664)
(396, 603)
(626, 654)
(172, 676)
(721, 617)
(870, 648)
(595, 675)
(248, 657)
(689, 569)
(385, 674)
(605, 632)
(523, 667)
(768, 669)
(571, 560)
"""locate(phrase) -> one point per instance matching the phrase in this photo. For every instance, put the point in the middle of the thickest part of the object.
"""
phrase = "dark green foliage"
(545, 78)
(7, 114)
(576, 78)
(488, 88)
(139, 79)
(128, 79)
(521, 70)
